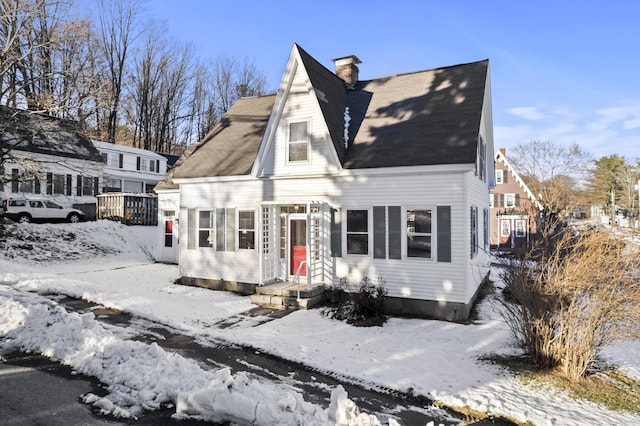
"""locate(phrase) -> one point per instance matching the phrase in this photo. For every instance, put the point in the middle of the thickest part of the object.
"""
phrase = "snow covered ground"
(107, 263)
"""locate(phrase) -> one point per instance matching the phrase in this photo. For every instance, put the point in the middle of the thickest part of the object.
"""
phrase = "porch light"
(296, 207)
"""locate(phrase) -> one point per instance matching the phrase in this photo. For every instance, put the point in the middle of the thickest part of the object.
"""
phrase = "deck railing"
(128, 208)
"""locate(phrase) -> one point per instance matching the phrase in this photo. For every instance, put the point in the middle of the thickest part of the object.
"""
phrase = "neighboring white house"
(334, 178)
(130, 169)
(48, 156)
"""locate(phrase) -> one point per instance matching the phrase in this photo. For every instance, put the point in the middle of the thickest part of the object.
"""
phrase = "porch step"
(287, 302)
(288, 289)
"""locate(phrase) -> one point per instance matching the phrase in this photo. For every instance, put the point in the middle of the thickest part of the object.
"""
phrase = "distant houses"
(48, 156)
(514, 208)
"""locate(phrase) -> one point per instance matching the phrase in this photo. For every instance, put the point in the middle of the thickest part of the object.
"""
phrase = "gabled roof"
(38, 133)
(424, 118)
(231, 146)
(501, 157)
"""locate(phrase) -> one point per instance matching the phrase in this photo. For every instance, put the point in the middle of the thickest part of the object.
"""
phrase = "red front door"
(298, 246)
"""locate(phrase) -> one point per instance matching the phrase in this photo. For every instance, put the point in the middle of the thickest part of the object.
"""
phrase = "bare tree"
(27, 37)
(550, 170)
(118, 20)
(160, 84)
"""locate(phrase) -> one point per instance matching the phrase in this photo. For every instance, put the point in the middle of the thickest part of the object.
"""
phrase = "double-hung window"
(358, 232)
(206, 230)
(499, 176)
(298, 142)
(510, 200)
(419, 233)
(246, 229)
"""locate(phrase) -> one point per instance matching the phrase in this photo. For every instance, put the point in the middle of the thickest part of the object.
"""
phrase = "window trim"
(289, 142)
(499, 176)
(502, 235)
(474, 237)
(523, 232)
(369, 210)
(510, 196)
(239, 229)
(212, 229)
(405, 232)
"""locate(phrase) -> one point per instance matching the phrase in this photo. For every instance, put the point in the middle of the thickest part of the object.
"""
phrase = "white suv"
(25, 210)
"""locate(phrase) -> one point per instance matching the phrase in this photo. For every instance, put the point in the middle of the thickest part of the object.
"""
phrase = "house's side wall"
(408, 277)
(44, 164)
(301, 105)
(206, 262)
(128, 169)
(478, 262)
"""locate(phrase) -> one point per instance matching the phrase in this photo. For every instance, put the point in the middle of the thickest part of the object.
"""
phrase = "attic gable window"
(298, 142)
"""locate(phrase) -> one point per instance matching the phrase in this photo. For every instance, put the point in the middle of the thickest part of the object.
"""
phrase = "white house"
(130, 169)
(335, 178)
(48, 156)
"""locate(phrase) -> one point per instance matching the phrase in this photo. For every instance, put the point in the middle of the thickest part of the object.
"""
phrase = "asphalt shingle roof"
(423, 118)
(231, 147)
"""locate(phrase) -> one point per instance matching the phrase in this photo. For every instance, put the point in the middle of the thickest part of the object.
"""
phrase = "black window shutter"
(220, 227)
(379, 234)
(501, 200)
(137, 163)
(336, 233)
(517, 200)
(505, 172)
(120, 160)
(96, 183)
(79, 185)
(36, 185)
(395, 232)
(444, 233)
(49, 183)
(14, 180)
(69, 184)
(157, 166)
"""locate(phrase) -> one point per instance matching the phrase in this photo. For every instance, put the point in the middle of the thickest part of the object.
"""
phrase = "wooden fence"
(130, 209)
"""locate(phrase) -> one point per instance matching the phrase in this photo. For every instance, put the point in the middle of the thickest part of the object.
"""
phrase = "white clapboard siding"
(478, 195)
(454, 281)
(301, 105)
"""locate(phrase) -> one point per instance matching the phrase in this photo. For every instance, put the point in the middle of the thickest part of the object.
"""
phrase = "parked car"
(25, 210)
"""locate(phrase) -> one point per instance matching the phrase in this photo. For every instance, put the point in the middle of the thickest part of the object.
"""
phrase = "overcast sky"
(565, 71)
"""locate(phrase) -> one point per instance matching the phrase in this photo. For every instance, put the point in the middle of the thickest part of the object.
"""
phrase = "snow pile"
(141, 377)
(65, 242)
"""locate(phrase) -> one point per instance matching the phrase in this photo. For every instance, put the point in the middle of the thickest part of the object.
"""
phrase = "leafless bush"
(578, 296)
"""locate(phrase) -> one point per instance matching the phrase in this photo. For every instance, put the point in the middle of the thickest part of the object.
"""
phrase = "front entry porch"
(288, 295)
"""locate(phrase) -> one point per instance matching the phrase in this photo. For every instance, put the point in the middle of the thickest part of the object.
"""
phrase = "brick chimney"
(347, 69)
(503, 151)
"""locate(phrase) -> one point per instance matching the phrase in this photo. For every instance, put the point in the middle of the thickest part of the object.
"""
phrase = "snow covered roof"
(39, 133)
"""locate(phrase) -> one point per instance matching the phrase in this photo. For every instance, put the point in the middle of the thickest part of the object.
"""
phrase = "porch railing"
(296, 278)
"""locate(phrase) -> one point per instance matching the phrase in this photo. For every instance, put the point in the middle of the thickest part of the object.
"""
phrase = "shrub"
(357, 304)
(579, 295)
